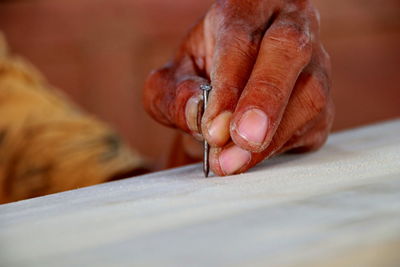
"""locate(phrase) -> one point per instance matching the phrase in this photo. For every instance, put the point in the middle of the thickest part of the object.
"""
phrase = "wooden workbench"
(336, 207)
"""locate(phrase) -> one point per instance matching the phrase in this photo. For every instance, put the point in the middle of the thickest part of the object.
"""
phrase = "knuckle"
(150, 90)
(244, 45)
(310, 13)
(152, 78)
(235, 24)
(225, 3)
(293, 37)
(241, 36)
(154, 100)
(227, 11)
(232, 6)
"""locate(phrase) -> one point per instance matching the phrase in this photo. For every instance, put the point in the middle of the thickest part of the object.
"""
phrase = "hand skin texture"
(270, 76)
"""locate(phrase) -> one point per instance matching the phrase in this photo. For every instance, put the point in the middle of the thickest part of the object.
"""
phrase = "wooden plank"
(338, 206)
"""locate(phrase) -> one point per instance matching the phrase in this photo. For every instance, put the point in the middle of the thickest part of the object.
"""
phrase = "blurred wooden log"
(47, 144)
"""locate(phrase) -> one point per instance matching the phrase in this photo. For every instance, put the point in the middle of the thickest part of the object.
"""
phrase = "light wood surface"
(339, 206)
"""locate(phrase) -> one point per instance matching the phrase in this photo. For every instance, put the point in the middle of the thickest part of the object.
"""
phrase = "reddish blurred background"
(99, 52)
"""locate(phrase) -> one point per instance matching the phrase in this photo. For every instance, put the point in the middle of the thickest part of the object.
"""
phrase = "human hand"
(270, 78)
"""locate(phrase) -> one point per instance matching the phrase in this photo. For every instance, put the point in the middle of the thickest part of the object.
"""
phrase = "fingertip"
(230, 160)
(217, 131)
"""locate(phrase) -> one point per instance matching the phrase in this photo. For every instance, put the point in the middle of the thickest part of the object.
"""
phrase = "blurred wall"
(99, 52)
(363, 38)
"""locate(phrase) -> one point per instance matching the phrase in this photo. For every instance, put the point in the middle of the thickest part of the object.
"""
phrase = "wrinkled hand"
(270, 78)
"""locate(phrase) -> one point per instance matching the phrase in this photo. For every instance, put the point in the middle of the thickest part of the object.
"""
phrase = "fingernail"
(253, 126)
(191, 111)
(219, 128)
(233, 159)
